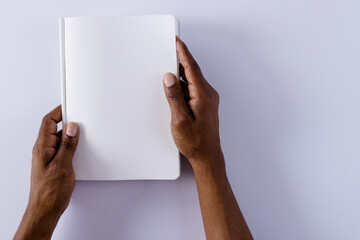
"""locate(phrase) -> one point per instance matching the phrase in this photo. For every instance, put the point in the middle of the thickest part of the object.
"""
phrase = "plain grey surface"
(289, 80)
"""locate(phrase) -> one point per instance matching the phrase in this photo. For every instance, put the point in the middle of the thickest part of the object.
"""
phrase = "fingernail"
(169, 79)
(71, 129)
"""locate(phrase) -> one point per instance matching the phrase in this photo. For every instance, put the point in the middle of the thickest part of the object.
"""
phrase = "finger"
(59, 133)
(191, 68)
(46, 143)
(175, 97)
(50, 121)
(45, 150)
(68, 143)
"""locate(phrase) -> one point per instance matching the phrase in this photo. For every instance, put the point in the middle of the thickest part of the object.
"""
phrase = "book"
(111, 77)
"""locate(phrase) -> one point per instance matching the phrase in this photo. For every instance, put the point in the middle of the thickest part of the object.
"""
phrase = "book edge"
(62, 70)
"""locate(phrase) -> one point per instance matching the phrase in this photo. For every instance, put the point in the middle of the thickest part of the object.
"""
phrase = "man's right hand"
(195, 129)
(194, 121)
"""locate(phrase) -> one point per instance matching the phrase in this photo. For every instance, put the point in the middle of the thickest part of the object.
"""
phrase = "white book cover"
(111, 78)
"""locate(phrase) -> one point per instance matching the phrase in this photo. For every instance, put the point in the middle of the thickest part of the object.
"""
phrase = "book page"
(113, 80)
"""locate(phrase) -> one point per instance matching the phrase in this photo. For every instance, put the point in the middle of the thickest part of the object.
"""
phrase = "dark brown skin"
(195, 129)
(52, 178)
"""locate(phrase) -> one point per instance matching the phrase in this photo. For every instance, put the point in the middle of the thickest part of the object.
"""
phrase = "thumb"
(175, 97)
(68, 143)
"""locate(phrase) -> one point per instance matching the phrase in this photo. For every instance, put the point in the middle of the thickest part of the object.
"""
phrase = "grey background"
(288, 76)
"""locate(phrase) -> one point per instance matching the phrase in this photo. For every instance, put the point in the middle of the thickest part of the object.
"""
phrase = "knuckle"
(41, 151)
(181, 122)
(52, 142)
(42, 155)
(175, 93)
(46, 118)
(67, 145)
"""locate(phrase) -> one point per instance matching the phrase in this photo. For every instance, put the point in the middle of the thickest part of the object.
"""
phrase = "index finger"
(191, 68)
(47, 141)
(50, 121)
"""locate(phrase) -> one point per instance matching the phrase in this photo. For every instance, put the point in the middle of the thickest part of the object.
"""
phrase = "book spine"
(62, 70)
(177, 32)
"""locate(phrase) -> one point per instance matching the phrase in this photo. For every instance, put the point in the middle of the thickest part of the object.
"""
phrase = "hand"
(195, 129)
(52, 177)
(194, 121)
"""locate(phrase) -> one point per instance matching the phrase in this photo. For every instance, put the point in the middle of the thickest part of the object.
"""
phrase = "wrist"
(37, 223)
(211, 174)
(209, 164)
